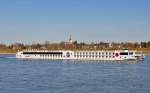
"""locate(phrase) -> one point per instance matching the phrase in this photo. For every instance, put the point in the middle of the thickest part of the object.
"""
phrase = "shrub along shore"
(146, 52)
(74, 45)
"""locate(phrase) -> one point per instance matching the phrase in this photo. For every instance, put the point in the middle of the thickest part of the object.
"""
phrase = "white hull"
(80, 55)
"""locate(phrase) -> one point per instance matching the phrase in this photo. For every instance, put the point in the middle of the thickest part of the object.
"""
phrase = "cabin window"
(109, 53)
(130, 53)
(68, 54)
(106, 53)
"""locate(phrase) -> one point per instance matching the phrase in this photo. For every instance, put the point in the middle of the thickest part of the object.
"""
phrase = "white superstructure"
(81, 55)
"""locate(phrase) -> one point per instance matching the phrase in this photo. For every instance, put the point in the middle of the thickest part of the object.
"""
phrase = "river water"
(66, 76)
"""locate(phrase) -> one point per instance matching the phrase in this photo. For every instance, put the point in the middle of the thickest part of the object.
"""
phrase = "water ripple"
(58, 76)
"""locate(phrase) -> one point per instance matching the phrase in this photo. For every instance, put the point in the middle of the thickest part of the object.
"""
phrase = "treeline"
(76, 46)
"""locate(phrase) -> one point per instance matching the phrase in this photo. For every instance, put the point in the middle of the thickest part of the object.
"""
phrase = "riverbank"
(3, 52)
(7, 53)
(13, 52)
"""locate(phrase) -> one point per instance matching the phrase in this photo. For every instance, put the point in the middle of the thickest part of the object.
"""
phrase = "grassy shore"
(8, 51)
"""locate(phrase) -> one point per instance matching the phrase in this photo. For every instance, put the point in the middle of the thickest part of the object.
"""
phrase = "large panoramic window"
(123, 53)
(56, 53)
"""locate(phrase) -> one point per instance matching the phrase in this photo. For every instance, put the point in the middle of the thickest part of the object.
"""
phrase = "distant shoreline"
(7, 53)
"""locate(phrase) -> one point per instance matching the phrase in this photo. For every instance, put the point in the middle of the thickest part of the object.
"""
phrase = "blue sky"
(30, 21)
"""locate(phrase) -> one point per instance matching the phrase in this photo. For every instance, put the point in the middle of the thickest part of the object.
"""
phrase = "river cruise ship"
(80, 55)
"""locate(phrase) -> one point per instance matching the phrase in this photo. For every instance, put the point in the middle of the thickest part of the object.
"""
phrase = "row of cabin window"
(51, 55)
(93, 56)
(93, 53)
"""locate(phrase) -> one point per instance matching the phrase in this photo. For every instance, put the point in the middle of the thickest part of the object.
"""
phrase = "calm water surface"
(49, 76)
